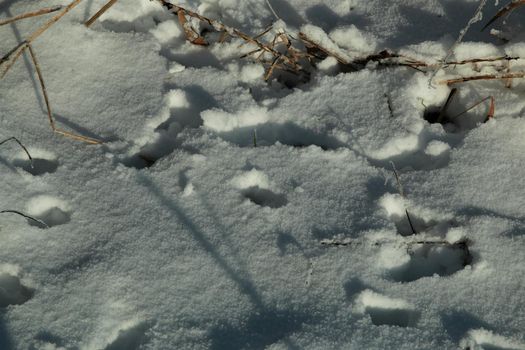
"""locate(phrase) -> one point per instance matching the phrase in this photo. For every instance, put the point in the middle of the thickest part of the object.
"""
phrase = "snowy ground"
(299, 243)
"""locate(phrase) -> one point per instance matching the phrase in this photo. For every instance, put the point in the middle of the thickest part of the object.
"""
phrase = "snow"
(223, 211)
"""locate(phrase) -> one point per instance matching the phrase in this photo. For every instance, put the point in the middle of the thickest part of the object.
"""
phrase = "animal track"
(268, 134)
(40, 166)
(418, 221)
(43, 163)
(387, 311)
(265, 197)
(256, 187)
(50, 210)
(182, 111)
(432, 258)
(481, 339)
(130, 338)
(12, 291)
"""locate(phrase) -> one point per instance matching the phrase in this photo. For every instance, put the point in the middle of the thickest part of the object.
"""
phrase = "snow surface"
(226, 212)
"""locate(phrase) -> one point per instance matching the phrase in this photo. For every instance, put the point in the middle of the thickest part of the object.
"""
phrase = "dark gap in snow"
(287, 133)
(40, 166)
(52, 217)
(130, 338)
(392, 317)
(12, 291)
(430, 259)
(433, 115)
(354, 286)
(50, 339)
(265, 197)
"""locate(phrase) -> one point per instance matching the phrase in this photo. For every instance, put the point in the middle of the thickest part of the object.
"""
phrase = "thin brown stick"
(220, 27)
(52, 21)
(507, 9)
(471, 107)
(443, 111)
(40, 12)
(12, 56)
(191, 34)
(21, 145)
(48, 106)
(100, 12)
(492, 109)
(271, 69)
(515, 75)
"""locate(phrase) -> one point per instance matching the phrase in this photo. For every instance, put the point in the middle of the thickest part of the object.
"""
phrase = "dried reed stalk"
(99, 13)
(40, 12)
(48, 106)
(12, 56)
(504, 76)
(505, 10)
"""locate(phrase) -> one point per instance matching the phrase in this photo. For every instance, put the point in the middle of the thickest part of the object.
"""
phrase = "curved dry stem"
(12, 138)
(40, 222)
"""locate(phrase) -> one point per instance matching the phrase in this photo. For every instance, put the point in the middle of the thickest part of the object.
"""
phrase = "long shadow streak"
(244, 284)
(29, 66)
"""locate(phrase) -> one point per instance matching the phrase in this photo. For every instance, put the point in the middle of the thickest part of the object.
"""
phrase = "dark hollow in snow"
(130, 338)
(40, 166)
(290, 134)
(264, 197)
(392, 317)
(12, 291)
(51, 217)
(430, 259)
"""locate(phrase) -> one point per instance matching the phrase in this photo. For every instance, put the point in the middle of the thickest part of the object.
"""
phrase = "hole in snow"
(433, 258)
(130, 338)
(407, 221)
(52, 211)
(487, 340)
(40, 165)
(268, 134)
(265, 197)
(434, 114)
(12, 291)
(387, 311)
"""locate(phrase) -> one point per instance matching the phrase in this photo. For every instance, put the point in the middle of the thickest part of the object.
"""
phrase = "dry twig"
(12, 138)
(40, 12)
(99, 13)
(505, 10)
(12, 56)
(37, 221)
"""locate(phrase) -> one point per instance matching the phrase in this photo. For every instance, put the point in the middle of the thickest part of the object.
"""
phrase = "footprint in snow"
(12, 290)
(129, 337)
(417, 221)
(425, 259)
(50, 210)
(383, 310)
(255, 186)
(43, 163)
(482, 339)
